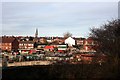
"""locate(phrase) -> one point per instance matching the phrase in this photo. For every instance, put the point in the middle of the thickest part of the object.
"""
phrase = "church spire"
(36, 33)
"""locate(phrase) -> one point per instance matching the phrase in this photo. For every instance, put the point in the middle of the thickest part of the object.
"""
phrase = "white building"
(70, 41)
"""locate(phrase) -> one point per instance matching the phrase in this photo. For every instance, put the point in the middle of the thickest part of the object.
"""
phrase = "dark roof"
(78, 38)
(26, 41)
(7, 39)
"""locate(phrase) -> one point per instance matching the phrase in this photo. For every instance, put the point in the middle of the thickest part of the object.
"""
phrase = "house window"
(25, 47)
(6, 47)
(21, 44)
(29, 44)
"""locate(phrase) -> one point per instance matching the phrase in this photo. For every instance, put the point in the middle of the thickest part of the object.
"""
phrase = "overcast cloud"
(53, 18)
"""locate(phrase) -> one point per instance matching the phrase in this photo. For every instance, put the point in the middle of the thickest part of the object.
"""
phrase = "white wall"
(70, 41)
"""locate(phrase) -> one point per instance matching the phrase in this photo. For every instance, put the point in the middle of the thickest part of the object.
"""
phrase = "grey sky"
(59, 0)
(55, 18)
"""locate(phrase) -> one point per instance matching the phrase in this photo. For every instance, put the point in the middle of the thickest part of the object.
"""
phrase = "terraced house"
(9, 44)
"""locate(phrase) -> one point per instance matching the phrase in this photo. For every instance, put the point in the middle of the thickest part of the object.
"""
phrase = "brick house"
(9, 43)
(26, 44)
(88, 44)
(79, 41)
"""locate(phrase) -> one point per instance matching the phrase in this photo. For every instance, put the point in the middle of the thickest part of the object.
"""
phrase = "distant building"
(9, 43)
(26, 44)
(88, 45)
(43, 41)
(70, 41)
(36, 36)
(62, 48)
(80, 41)
(49, 48)
(36, 33)
(58, 40)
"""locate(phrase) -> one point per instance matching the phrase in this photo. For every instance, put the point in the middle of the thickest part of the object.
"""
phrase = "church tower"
(36, 36)
(36, 33)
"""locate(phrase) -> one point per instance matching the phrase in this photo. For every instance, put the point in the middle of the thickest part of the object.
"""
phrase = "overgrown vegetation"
(108, 43)
(108, 38)
(60, 72)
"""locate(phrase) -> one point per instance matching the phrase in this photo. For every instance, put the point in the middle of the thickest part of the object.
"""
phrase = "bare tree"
(108, 38)
(67, 34)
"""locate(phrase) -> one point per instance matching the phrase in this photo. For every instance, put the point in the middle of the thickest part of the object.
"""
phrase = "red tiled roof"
(49, 47)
